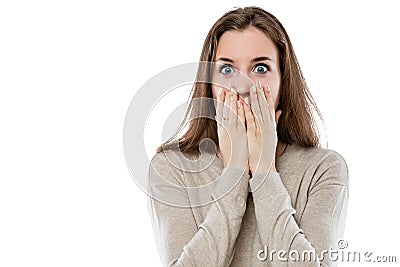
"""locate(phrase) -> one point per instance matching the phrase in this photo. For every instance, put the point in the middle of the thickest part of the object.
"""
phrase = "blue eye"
(261, 69)
(227, 70)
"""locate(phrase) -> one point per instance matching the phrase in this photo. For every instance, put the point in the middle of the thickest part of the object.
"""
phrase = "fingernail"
(219, 91)
(259, 84)
(246, 99)
(268, 89)
(253, 88)
(238, 104)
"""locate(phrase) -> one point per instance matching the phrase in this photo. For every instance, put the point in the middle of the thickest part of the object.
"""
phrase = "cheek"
(214, 91)
(274, 84)
(275, 97)
(275, 93)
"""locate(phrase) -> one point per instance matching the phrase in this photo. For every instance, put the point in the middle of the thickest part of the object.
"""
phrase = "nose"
(243, 88)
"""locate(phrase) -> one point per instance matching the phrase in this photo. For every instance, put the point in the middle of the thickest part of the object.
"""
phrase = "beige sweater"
(300, 209)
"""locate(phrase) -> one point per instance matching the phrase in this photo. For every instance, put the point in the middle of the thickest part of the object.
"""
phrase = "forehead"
(246, 45)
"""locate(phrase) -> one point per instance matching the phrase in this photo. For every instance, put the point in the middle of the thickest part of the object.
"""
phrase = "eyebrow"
(252, 61)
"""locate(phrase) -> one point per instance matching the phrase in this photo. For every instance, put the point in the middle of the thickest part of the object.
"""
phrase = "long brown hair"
(296, 125)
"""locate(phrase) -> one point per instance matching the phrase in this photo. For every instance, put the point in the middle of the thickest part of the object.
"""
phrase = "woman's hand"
(231, 130)
(261, 122)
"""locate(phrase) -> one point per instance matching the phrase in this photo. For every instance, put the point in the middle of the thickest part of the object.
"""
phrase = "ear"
(277, 115)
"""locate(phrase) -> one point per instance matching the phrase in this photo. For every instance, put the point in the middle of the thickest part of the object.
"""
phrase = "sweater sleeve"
(321, 224)
(180, 240)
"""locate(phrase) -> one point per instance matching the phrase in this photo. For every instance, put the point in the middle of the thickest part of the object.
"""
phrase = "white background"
(69, 69)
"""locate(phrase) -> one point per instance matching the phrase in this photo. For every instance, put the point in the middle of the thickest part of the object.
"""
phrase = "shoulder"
(318, 154)
(179, 179)
(174, 165)
(323, 163)
(172, 160)
(165, 163)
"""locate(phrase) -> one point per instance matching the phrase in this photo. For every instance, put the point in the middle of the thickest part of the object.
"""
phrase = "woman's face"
(252, 53)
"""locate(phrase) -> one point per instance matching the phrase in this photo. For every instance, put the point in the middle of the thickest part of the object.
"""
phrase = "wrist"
(263, 170)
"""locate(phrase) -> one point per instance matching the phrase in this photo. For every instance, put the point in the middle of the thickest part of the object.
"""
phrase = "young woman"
(279, 198)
